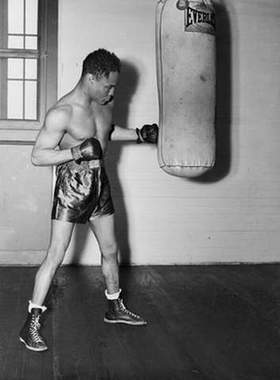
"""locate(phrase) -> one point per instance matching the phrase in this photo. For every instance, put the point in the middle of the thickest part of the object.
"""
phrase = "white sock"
(32, 305)
(113, 296)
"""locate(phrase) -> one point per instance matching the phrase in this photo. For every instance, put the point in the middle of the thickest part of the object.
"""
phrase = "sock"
(32, 305)
(113, 296)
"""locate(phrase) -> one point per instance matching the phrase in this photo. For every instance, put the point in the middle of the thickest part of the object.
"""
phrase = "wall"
(229, 215)
(25, 199)
(232, 214)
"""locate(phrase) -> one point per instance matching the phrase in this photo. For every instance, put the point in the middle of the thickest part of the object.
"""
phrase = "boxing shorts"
(82, 191)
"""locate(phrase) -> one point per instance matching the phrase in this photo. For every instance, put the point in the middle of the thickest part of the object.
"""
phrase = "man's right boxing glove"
(90, 149)
(148, 133)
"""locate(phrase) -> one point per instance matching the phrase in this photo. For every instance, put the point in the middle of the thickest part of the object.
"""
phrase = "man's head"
(101, 70)
(100, 63)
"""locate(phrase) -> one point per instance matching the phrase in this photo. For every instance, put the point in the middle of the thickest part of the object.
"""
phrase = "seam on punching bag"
(160, 7)
(206, 165)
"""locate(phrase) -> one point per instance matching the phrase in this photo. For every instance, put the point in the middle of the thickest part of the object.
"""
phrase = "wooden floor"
(205, 323)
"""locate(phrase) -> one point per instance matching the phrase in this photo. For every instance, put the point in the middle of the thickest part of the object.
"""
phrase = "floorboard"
(218, 322)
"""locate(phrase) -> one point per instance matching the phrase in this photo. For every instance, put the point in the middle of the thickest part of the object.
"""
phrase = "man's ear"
(91, 77)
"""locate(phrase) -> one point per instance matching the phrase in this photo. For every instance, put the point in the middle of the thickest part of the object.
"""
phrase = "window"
(28, 62)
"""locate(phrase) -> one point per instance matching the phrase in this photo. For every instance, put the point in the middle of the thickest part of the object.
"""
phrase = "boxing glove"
(148, 133)
(90, 149)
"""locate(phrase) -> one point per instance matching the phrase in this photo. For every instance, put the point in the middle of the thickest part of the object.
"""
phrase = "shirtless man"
(74, 137)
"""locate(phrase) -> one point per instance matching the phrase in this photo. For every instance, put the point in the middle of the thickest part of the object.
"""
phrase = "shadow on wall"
(127, 85)
(223, 98)
(126, 88)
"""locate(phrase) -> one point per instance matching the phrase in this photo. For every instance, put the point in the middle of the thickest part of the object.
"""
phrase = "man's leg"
(103, 228)
(104, 231)
(60, 239)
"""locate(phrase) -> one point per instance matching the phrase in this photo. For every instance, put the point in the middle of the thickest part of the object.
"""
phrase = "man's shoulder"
(59, 112)
(61, 108)
(57, 117)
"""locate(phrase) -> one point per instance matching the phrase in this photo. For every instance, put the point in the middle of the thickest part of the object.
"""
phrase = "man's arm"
(45, 150)
(148, 133)
(122, 134)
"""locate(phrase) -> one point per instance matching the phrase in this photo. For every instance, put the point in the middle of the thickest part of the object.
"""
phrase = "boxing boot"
(118, 313)
(30, 332)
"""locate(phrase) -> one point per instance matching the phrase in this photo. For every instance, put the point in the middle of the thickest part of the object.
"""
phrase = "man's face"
(102, 89)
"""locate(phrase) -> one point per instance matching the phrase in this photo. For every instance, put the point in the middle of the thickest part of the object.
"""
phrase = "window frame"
(22, 130)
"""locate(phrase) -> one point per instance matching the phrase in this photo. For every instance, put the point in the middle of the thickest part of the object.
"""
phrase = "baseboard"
(21, 257)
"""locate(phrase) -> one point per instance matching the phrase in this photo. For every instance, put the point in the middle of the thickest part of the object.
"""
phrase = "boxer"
(74, 138)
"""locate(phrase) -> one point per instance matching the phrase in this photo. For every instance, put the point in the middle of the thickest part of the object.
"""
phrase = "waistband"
(84, 164)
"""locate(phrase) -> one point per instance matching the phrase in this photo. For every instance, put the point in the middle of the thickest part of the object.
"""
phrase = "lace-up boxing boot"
(118, 313)
(30, 332)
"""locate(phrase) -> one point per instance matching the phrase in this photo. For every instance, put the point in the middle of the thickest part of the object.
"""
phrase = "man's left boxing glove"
(148, 133)
(90, 149)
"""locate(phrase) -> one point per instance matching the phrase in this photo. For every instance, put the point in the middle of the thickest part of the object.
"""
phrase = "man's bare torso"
(84, 121)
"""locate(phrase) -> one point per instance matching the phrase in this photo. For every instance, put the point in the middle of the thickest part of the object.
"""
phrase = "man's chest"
(97, 124)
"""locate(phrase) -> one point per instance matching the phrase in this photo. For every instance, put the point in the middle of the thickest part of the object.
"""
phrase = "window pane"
(31, 16)
(27, 87)
(3, 86)
(31, 43)
(15, 68)
(30, 110)
(15, 16)
(30, 69)
(15, 99)
(15, 42)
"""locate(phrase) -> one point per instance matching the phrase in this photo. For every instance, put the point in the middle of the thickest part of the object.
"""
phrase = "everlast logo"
(199, 15)
(194, 16)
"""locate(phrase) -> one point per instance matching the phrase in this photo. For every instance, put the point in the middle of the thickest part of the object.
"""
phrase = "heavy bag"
(186, 76)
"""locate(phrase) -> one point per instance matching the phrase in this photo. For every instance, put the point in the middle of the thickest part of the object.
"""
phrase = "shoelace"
(35, 326)
(124, 309)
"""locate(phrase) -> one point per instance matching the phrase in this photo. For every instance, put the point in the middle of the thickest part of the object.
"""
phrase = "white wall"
(25, 201)
(233, 213)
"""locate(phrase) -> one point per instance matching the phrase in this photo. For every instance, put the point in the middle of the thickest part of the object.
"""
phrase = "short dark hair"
(100, 63)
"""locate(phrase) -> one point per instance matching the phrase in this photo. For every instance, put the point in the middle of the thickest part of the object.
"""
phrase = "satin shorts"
(82, 191)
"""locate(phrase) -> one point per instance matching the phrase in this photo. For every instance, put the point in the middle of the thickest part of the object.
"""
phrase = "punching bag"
(186, 76)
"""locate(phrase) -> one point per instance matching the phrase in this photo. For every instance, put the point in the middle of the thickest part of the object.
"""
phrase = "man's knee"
(109, 251)
(55, 255)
